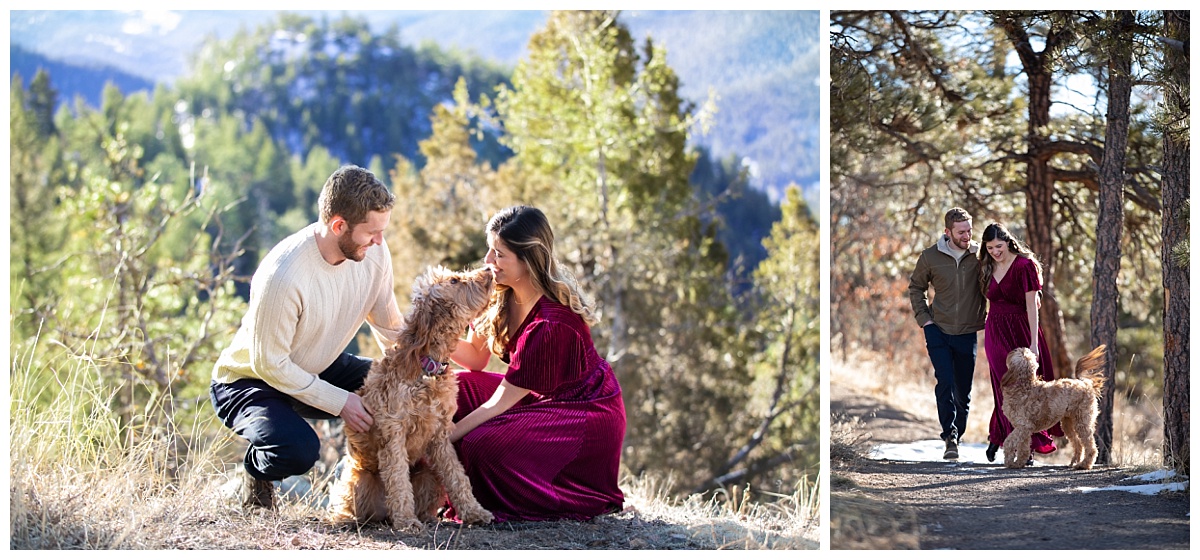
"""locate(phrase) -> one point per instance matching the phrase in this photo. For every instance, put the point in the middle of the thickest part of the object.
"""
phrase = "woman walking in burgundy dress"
(1011, 280)
(542, 441)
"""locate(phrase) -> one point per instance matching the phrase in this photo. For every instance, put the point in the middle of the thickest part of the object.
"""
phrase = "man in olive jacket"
(951, 321)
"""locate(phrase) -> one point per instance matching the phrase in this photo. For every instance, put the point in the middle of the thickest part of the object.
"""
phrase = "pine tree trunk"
(1175, 185)
(616, 295)
(1039, 181)
(1110, 218)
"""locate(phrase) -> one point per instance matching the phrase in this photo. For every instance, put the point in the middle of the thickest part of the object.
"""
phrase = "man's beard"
(353, 252)
(960, 247)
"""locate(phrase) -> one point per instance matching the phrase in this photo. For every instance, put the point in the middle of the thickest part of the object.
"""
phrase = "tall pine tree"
(599, 118)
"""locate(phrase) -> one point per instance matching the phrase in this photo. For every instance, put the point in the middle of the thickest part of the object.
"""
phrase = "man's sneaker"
(951, 449)
(257, 493)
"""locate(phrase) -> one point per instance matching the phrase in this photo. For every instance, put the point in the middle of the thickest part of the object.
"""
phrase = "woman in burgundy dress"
(1011, 279)
(542, 441)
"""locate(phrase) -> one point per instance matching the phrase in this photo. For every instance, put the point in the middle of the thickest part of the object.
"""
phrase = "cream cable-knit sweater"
(303, 312)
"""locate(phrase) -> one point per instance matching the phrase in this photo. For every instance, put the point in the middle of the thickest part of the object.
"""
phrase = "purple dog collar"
(433, 368)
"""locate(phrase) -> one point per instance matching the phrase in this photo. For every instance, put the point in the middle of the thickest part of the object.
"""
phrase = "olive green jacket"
(958, 306)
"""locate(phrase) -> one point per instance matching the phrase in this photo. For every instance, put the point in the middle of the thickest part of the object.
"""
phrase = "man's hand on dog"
(356, 415)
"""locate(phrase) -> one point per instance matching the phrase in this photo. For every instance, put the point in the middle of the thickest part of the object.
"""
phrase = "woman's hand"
(471, 353)
(1033, 301)
(505, 396)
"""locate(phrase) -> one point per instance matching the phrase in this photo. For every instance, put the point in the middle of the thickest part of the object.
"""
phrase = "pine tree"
(611, 129)
(1110, 220)
(43, 102)
(927, 114)
(787, 282)
(600, 119)
(442, 210)
(35, 239)
(1176, 202)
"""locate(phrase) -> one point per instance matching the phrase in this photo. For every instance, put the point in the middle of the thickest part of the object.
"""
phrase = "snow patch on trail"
(1145, 489)
(1153, 476)
(970, 454)
(931, 450)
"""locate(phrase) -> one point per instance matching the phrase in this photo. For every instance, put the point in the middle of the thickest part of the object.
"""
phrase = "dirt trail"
(883, 504)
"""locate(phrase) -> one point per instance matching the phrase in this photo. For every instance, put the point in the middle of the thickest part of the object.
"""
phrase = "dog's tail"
(1091, 368)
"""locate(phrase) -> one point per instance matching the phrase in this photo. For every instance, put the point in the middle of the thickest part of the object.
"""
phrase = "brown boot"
(951, 453)
(257, 493)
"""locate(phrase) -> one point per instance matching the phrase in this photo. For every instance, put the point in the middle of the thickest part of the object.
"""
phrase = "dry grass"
(78, 481)
(848, 438)
(859, 521)
(862, 520)
(126, 509)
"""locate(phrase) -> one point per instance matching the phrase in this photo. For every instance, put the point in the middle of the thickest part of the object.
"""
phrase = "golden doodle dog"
(399, 468)
(1032, 405)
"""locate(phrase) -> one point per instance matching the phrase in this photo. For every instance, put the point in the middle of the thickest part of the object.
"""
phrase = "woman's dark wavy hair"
(987, 264)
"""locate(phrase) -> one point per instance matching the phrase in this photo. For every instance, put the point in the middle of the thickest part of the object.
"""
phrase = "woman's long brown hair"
(526, 232)
(987, 264)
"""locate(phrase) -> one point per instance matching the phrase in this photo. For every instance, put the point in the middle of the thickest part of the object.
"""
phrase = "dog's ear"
(387, 362)
(1008, 378)
(431, 317)
(1019, 366)
(422, 283)
(423, 320)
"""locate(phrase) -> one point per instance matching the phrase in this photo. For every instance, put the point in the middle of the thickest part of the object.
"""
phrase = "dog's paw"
(340, 517)
(476, 516)
(408, 525)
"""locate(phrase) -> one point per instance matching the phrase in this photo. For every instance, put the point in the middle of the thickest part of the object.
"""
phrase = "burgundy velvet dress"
(555, 453)
(1006, 328)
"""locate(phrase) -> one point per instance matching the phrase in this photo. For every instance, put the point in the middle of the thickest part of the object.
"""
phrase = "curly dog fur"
(1032, 405)
(398, 469)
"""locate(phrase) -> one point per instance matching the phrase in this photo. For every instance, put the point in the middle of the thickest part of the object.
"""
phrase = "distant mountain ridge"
(71, 80)
(763, 65)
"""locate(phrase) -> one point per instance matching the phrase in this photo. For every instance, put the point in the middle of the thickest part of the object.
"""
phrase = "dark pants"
(282, 443)
(953, 358)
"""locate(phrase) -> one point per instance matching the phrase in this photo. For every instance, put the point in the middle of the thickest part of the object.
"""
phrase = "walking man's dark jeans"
(953, 358)
(282, 443)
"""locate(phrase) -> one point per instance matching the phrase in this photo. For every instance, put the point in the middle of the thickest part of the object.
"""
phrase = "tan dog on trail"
(1032, 405)
(412, 397)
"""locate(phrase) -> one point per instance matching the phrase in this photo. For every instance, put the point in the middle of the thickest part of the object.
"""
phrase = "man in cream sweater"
(308, 298)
